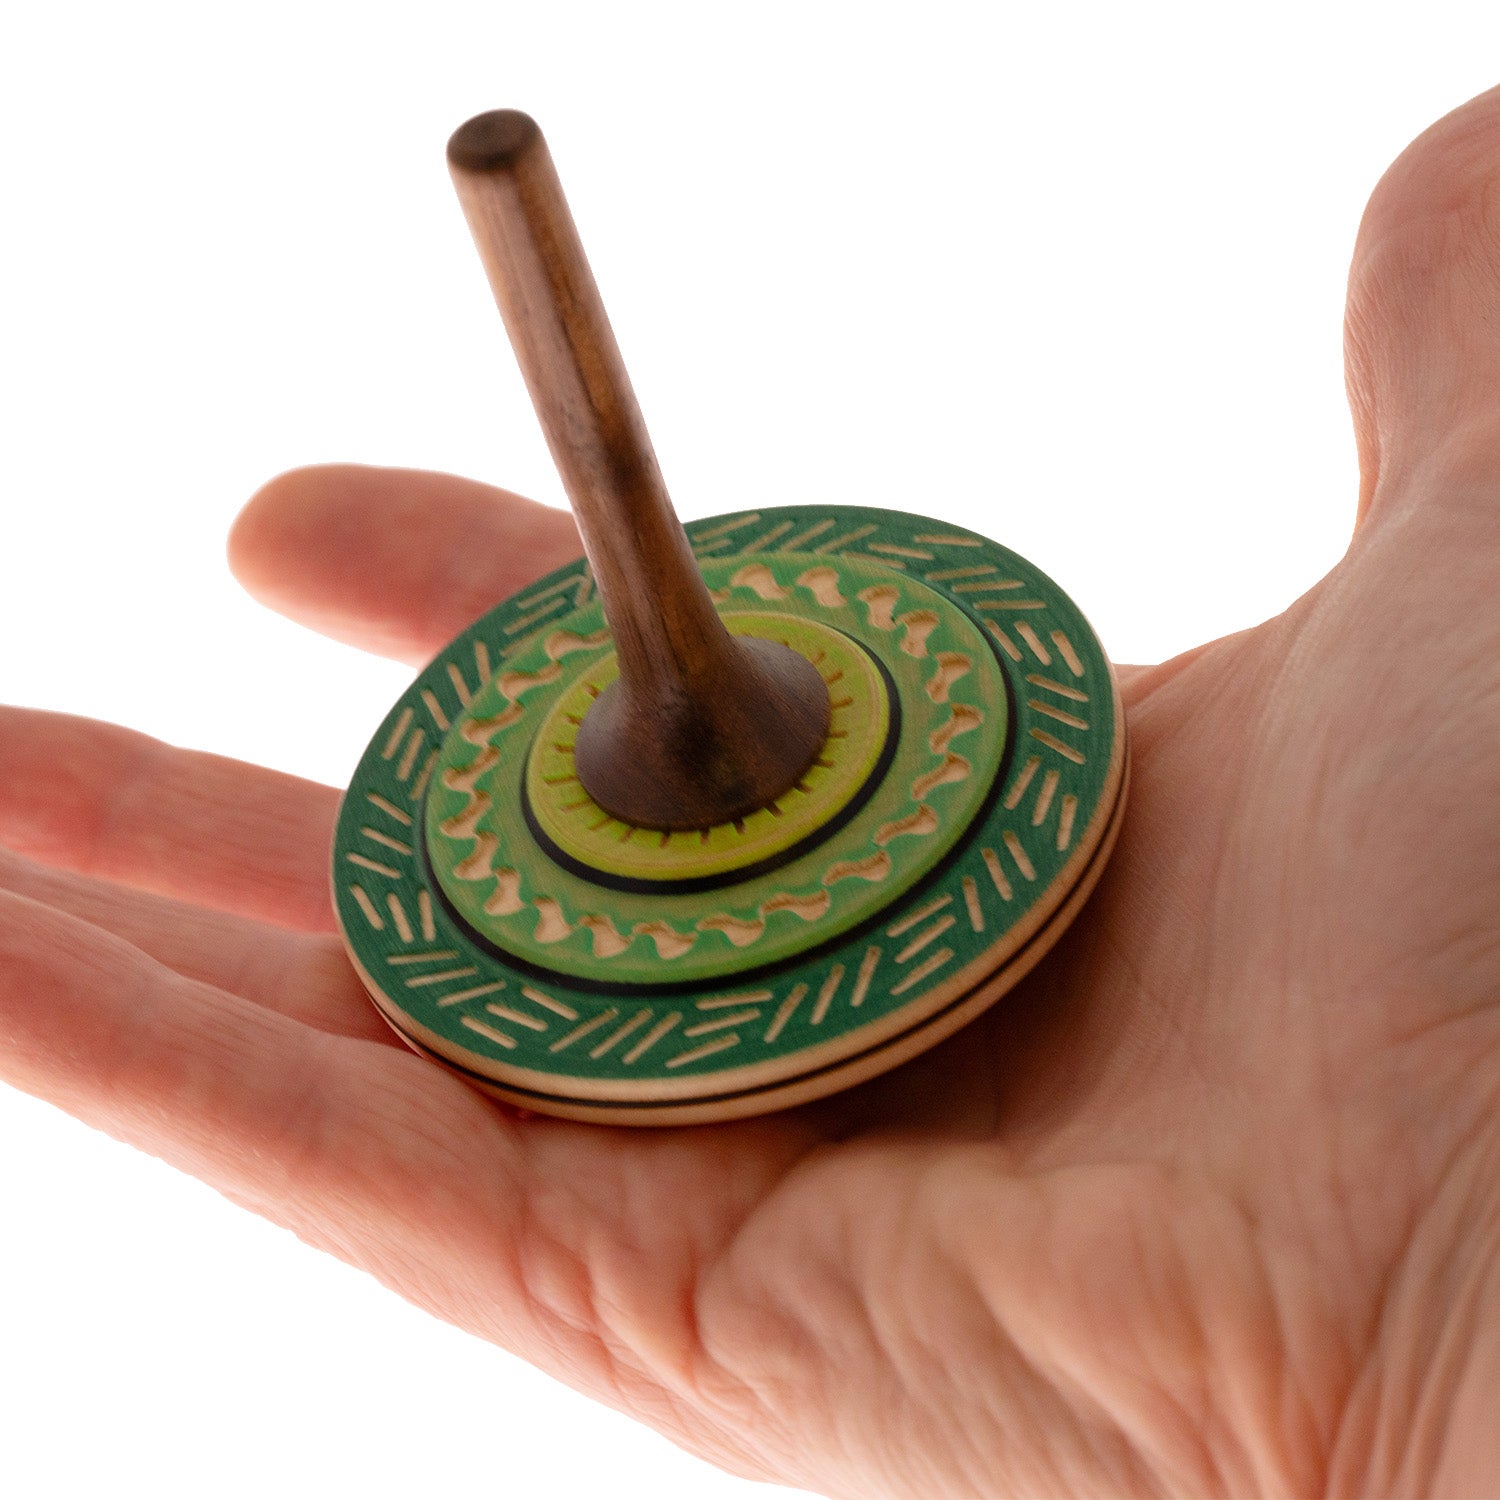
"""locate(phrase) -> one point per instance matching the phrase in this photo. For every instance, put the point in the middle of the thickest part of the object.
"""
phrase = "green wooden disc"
(959, 814)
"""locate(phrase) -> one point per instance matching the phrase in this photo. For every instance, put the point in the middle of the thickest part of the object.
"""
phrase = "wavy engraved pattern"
(761, 582)
(741, 929)
(872, 867)
(952, 666)
(823, 585)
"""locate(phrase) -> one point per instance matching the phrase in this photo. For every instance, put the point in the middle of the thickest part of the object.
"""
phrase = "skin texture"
(1210, 1206)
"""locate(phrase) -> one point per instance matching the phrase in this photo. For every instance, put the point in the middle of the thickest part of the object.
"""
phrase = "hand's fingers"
(1424, 303)
(303, 975)
(106, 801)
(378, 1155)
(368, 1151)
(397, 561)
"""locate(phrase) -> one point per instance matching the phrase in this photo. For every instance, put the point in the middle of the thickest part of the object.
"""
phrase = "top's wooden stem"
(701, 727)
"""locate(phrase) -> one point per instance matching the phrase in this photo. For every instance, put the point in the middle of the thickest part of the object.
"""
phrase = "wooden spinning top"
(718, 820)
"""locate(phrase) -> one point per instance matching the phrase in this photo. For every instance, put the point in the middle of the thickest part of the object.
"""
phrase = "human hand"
(1207, 1205)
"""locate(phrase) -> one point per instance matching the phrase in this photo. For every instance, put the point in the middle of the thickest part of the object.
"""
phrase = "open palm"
(1210, 1204)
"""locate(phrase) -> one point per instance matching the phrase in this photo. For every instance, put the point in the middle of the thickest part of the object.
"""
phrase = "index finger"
(395, 561)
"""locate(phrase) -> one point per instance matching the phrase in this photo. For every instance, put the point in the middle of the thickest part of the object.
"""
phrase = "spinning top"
(721, 818)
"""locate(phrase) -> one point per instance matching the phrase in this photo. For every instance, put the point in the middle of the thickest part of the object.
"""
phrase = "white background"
(1070, 274)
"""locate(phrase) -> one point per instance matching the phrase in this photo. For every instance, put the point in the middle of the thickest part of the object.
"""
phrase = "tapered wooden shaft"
(702, 727)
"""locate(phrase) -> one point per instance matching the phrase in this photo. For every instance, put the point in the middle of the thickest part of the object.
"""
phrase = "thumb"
(1422, 336)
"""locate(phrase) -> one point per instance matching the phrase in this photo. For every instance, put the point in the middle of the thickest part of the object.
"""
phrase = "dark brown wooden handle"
(702, 727)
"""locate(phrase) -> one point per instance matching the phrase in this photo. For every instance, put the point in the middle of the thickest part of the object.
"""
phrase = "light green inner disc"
(583, 831)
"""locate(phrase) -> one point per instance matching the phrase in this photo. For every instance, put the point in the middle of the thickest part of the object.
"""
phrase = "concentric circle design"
(580, 967)
(560, 904)
(574, 828)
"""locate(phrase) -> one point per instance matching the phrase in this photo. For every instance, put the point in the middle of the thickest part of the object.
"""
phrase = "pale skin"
(1209, 1205)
